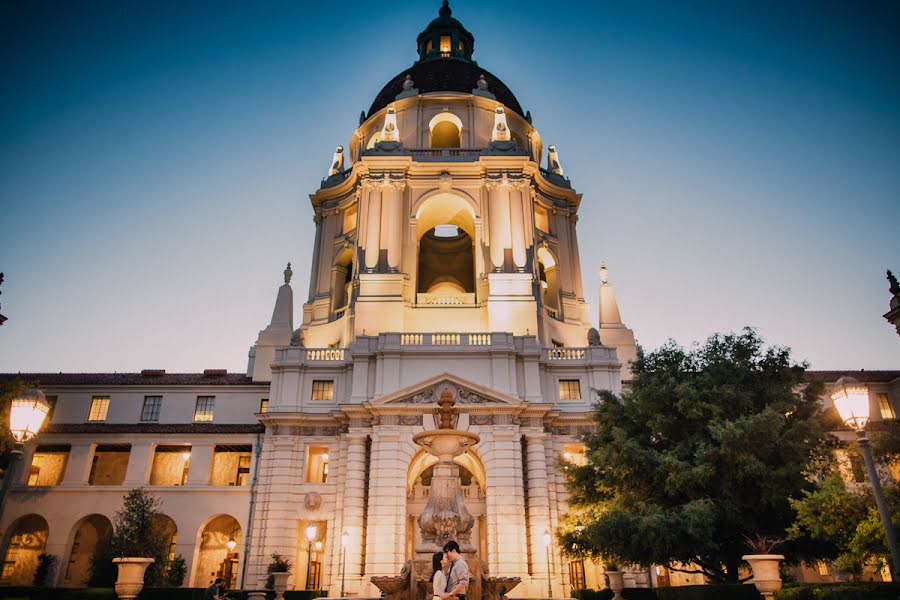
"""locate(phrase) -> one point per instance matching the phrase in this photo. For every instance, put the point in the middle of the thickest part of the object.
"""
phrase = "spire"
(389, 132)
(609, 307)
(283, 315)
(553, 164)
(337, 165)
(445, 10)
(500, 133)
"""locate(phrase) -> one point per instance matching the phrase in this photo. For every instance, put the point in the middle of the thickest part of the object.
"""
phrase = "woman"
(438, 578)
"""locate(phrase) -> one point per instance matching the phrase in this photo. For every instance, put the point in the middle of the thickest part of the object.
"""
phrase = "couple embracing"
(453, 584)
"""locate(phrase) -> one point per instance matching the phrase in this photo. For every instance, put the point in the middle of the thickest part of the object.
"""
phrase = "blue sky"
(739, 164)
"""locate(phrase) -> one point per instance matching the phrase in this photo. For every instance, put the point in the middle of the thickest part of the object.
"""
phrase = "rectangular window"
(349, 219)
(541, 221)
(152, 404)
(322, 390)
(884, 405)
(170, 465)
(203, 412)
(109, 464)
(445, 44)
(570, 389)
(231, 465)
(99, 408)
(317, 464)
(48, 464)
(264, 406)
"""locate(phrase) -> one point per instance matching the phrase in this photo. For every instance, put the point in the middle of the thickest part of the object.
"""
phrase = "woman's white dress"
(439, 585)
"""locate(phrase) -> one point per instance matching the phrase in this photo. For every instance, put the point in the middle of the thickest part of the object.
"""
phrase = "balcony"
(445, 154)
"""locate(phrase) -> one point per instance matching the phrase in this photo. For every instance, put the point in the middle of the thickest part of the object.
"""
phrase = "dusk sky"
(740, 164)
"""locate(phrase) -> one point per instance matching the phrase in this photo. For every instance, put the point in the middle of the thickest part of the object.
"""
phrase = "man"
(458, 575)
(216, 591)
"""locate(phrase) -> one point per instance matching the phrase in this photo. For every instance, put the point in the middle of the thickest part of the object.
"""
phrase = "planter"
(766, 576)
(131, 576)
(279, 584)
(616, 583)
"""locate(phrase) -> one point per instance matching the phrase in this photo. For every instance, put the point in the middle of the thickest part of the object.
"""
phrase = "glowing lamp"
(231, 545)
(186, 455)
(579, 526)
(311, 533)
(345, 539)
(547, 538)
(325, 457)
(567, 456)
(851, 399)
(318, 545)
(27, 413)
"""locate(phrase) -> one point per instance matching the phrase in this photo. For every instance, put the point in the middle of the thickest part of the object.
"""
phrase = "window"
(576, 574)
(109, 464)
(152, 404)
(99, 408)
(884, 405)
(349, 219)
(317, 464)
(231, 465)
(445, 45)
(170, 465)
(569, 389)
(203, 412)
(48, 464)
(322, 390)
(264, 406)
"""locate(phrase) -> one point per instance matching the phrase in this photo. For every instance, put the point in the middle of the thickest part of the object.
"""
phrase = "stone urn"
(616, 583)
(130, 578)
(279, 584)
(766, 575)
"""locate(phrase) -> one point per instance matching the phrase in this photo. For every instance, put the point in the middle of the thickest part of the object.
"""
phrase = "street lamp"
(579, 529)
(547, 541)
(27, 413)
(851, 399)
(311, 536)
(345, 541)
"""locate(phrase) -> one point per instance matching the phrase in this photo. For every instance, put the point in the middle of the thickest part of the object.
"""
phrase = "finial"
(501, 129)
(389, 132)
(528, 116)
(362, 117)
(895, 287)
(337, 161)
(604, 273)
(287, 274)
(445, 9)
(553, 164)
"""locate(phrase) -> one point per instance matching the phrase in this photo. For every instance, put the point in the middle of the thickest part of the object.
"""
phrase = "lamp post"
(579, 529)
(27, 413)
(310, 535)
(547, 540)
(345, 541)
(851, 399)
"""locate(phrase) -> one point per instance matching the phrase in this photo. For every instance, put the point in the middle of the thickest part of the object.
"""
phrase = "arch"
(212, 557)
(89, 534)
(341, 279)
(422, 460)
(445, 131)
(548, 274)
(445, 208)
(23, 543)
(373, 139)
(166, 526)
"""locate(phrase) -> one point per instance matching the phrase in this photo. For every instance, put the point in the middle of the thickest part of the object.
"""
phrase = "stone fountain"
(445, 518)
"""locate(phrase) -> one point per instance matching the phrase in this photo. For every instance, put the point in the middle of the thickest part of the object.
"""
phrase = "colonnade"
(506, 199)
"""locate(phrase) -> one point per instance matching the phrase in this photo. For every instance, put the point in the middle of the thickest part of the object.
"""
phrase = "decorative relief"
(318, 430)
(481, 419)
(468, 397)
(312, 501)
(411, 420)
(428, 396)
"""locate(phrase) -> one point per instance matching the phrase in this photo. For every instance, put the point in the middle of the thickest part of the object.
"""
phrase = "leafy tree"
(43, 575)
(137, 532)
(699, 455)
(176, 571)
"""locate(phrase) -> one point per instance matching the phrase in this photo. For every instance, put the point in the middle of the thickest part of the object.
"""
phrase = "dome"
(445, 65)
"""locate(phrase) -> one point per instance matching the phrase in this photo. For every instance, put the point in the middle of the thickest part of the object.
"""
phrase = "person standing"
(438, 578)
(458, 575)
(216, 591)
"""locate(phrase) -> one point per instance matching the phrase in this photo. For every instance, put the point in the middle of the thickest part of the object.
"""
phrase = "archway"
(23, 543)
(445, 131)
(341, 282)
(92, 533)
(548, 272)
(218, 551)
(445, 229)
(165, 525)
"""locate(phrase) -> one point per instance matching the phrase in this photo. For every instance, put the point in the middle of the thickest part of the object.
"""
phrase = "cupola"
(445, 37)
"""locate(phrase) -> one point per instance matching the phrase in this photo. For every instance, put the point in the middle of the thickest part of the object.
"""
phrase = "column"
(139, 460)
(79, 464)
(392, 238)
(538, 508)
(373, 227)
(517, 222)
(354, 501)
(507, 548)
(386, 521)
(201, 464)
(499, 207)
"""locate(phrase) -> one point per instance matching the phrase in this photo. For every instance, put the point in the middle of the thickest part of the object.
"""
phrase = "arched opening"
(446, 131)
(341, 282)
(23, 543)
(446, 252)
(548, 272)
(92, 534)
(169, 533)
(218, 552)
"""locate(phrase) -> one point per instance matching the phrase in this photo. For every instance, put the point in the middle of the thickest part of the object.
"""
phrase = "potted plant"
(616, 580)
(279, 571)
(764, 565)
(136, 541)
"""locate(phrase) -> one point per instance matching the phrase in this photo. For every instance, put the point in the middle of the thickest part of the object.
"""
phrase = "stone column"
(373, 227)
(392, 236)
(517, 221)
(386, 522)
(79, 465)
(354, 502)
(499, 208)
(201, 463)
(538, 507)
(507, 549)
(139, 461)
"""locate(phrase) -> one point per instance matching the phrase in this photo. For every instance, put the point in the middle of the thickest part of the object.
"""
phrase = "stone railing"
(324, 354)
(445, 339)
(442, 300)
(445, 154)
(566, 353)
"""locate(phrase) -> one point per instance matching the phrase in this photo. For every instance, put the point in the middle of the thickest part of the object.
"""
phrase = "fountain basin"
(446, 443)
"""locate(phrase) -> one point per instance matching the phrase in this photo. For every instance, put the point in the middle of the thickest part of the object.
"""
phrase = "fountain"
(445, 518)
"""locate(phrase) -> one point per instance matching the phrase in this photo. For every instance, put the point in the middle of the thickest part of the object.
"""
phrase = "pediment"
(463, 392)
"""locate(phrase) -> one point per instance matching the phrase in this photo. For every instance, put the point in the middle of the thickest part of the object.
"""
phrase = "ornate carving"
(312, 501)
(469, 397)
(411, 420)
(481, 419)
(426, 396)
(593, 337)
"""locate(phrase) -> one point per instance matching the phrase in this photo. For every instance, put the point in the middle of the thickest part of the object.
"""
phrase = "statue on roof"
(288, 274)
(409, 88)
(894, 286)
(481, 88)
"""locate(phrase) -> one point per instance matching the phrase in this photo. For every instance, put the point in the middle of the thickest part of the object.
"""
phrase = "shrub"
(43, 575)
(279, 564)
(607, 594)
(726, 591)
(839, 591)
(175, 572)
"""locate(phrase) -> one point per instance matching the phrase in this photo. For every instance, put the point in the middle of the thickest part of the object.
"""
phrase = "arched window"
(446, 258)
(446, 131)
(341, 282)
(548, 271)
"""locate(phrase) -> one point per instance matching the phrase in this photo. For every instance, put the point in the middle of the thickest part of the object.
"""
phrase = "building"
(445, 262)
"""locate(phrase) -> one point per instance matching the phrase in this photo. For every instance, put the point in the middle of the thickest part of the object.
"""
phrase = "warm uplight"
(231, 545)
(547, 538)
(27, 413)
(851, 399)
(311, 533)
(345, 539)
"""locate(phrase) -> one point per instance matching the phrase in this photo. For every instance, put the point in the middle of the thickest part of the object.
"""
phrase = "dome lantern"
(445, 37)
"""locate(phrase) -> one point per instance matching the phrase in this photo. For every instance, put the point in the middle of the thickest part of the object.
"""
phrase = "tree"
(137, 532)
(700, 455)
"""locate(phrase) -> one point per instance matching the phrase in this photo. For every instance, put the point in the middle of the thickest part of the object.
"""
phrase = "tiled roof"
(863, 376)
(191, 428)
(148, 378)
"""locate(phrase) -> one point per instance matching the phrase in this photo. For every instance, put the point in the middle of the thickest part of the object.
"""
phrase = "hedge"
(838, 591)
(607, 594)
(712, 591)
